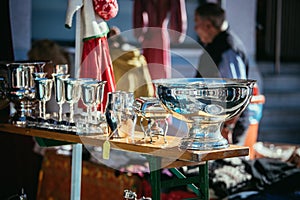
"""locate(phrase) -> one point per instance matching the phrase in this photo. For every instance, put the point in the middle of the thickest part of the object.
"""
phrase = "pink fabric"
(151, 28)
(106, 9)
(96, 63)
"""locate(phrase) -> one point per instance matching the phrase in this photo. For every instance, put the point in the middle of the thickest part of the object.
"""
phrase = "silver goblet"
(88, 96)
(72, 94)
(100, 125)
(59, 91)
(99, 94)
(43, 87)
(38, 75)
(204, 104)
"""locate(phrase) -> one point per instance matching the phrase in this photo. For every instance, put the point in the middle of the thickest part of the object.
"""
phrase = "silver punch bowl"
(204, 103)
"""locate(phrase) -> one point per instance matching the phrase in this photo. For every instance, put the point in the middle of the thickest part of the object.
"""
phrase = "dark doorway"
(266, 30)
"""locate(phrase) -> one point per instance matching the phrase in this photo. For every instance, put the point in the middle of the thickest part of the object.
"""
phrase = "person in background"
(225, 57)
(157, 24)
(48, 50)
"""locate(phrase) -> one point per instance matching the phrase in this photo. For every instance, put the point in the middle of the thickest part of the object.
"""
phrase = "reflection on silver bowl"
(204, 104)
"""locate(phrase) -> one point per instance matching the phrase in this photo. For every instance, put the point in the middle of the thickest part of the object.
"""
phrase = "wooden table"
(159, 154)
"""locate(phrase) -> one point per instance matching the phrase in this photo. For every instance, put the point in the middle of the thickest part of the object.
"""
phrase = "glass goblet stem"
(40, 109)
(71, 112)
(44, 109)
(60, 113)
(89, 112)
(95, 111)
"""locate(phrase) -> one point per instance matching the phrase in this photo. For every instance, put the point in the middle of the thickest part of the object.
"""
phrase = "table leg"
(76, 171)
(155, 179)
(204, 180)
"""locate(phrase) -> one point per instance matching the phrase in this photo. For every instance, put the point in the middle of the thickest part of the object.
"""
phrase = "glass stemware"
(120, 115)
(118, 104)
(128, 116)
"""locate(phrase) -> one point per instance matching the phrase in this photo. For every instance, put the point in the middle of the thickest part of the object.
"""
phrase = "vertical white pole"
(78, 43)
(76, 171)
(77, 148)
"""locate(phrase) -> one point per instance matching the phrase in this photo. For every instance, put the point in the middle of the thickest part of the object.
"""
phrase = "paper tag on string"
(106, 150)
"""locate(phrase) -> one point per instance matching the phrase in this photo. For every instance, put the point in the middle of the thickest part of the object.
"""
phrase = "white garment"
(93, 25)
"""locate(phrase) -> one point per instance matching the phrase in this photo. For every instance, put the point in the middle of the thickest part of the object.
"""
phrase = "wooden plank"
(138, 145)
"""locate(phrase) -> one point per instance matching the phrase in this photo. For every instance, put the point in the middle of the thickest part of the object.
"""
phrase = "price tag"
(106, 150)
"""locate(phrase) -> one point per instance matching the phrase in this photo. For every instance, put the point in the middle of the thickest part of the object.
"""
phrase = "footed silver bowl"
(204, 103)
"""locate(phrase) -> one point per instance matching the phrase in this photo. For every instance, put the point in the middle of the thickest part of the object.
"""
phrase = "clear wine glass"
(128, 116)
(117, 104)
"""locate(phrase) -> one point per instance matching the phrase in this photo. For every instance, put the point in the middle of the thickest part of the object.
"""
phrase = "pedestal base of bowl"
(202, 144)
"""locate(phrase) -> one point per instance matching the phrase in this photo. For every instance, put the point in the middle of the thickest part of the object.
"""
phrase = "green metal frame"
(198, 184)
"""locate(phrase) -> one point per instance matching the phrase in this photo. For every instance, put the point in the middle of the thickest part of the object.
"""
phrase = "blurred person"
(156, 24)
(225, 57)
(49, 50)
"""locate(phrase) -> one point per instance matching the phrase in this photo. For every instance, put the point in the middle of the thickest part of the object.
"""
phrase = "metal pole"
(204, 179)
(155, 179)
(76, 171)
(77, 148)
(278, 36)
(78, 43)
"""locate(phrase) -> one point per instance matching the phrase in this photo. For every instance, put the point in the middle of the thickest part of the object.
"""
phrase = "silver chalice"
(43, 87)
(72, 94)
(204, 103)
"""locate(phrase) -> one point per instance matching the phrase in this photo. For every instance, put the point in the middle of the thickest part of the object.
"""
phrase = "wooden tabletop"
(169, 151)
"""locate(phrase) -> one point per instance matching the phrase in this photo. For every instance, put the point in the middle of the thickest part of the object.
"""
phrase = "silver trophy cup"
(20, 87)
(204, 104)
